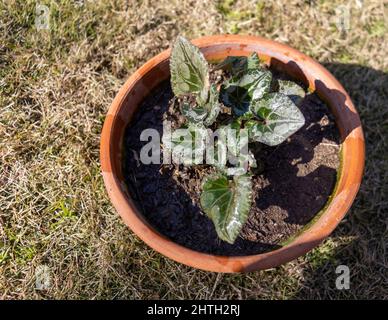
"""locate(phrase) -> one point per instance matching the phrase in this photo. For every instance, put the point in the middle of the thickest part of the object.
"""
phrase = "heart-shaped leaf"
(280, 118)
(238, 64)
(294, 91)
(238, 92)
(227, 203)
(189, 69)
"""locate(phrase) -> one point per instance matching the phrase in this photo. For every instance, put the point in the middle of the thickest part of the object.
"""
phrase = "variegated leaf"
(227, 203)
(280, 118)
(189, 69)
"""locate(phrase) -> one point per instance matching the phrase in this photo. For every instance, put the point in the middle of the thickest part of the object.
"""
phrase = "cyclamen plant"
(265, 115)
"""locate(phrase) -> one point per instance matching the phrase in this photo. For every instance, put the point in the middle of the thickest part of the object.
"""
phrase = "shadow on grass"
(360, 241)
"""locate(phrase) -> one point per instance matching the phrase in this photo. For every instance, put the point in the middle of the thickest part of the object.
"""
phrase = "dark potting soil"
(297, 179)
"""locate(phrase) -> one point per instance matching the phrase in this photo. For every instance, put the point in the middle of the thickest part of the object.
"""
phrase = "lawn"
(56, 86)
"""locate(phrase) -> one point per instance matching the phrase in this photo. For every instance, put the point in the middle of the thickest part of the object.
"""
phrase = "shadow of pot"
(283, 58)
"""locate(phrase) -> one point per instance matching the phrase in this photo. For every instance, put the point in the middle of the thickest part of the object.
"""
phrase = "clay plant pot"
(282, 57)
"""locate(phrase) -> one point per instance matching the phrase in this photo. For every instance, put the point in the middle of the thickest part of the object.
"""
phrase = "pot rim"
(319, 79)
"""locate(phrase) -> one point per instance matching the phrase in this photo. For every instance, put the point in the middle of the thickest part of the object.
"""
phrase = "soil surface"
(295, 183)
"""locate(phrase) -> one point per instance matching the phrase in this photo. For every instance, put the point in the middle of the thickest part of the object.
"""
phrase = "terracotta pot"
(145, 79)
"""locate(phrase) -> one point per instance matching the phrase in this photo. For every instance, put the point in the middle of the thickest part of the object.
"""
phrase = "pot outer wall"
(281, 57)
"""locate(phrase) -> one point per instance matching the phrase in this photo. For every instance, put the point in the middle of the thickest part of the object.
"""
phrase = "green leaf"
(253, 61)
(227, 203)
(194, 114)
(189, 69)
(280, 119)
(257, 82)
(238, 92)
(294, 91)
(187, 144)
(206, 113)
(226, 146)
(238, 64)
(234, 141)
(233, 64)
(212, 107)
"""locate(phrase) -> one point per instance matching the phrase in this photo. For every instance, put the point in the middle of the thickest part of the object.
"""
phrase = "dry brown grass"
(55, 88)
